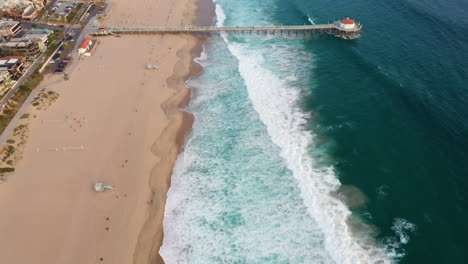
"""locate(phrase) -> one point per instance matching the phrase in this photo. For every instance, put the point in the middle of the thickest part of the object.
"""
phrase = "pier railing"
(334, 29)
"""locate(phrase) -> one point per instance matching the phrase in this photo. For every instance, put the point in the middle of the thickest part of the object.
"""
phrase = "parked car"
(56, 56)
(58, 70)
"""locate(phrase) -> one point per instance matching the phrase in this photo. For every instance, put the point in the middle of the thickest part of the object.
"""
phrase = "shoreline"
(114, 122)
(151, 235)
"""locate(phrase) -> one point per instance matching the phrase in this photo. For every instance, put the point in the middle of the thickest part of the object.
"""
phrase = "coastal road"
(31, 25)
(23, 78)
(78, 36)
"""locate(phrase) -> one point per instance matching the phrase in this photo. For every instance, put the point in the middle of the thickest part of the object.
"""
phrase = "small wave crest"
(402, 229)
(311, 20)
(276, 104)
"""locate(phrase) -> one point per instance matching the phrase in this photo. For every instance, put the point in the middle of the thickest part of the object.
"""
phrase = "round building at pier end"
(347, 23)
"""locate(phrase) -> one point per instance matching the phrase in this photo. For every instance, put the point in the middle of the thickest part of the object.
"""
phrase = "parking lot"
(59, 60)
(62, 10)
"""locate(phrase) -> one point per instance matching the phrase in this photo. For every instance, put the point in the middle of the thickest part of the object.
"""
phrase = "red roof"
(85, 43)
(12, 57)
(347, 21)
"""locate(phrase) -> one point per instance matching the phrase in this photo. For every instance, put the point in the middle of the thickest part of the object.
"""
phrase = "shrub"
(7, 169)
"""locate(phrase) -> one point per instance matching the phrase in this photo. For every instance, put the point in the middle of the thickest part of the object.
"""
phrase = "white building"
(9, 28)
(347, 23)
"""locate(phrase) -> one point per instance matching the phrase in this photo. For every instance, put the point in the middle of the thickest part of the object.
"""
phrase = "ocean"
(323, 150)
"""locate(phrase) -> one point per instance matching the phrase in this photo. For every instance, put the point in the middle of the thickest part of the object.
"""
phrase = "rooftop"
(347, 21)
(5, 24)
(85, 43)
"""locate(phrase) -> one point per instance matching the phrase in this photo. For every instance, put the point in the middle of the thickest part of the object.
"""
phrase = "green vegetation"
(18, 129)
(8, 150)
(18, 98)
(24, 116)
(6, 169)
(74, 12)
(52, 37)
(11, 141)
(32, 82)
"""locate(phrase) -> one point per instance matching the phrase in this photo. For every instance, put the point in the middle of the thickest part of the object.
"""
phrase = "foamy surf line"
(276, 105)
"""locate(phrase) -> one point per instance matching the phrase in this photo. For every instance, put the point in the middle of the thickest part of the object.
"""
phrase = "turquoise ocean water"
(321, 150)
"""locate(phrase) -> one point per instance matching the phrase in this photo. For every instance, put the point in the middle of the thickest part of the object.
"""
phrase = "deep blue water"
(322, 150)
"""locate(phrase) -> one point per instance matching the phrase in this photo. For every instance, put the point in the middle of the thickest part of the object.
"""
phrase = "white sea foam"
(402, 228)
(202, 58)
(220, 15)
(311, 21)
(275, 102)
(276, 105)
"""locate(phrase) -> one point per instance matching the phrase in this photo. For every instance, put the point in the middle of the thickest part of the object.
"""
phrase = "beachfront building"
(87, 47)
(13, 65)
(41, 35)
(9, 28)
(21, 9)
(23, 47)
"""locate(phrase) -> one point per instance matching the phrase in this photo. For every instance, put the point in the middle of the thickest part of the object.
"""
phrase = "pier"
(345, 29)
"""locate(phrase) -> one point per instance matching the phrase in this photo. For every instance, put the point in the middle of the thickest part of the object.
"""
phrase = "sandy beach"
(113, 121)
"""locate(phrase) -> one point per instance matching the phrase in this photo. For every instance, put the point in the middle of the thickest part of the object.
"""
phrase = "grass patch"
(7, 169)
(73, 13)
(24, 116)
(10, 141)
(9, 151)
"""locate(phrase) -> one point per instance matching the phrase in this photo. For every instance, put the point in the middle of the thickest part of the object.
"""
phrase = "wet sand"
(115, 122)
